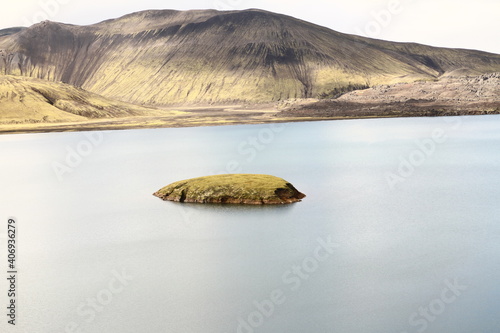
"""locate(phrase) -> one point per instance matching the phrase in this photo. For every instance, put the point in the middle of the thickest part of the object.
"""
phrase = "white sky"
(448, 23)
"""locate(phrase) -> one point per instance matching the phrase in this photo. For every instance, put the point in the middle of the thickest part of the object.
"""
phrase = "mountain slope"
(29, 100)
(171, 57)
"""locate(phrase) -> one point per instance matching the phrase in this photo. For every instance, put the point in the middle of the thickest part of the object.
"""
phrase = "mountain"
(30, 100)
(166, 57)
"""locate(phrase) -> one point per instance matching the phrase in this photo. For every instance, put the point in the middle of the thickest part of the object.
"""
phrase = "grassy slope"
(235, 188)
(25, 100)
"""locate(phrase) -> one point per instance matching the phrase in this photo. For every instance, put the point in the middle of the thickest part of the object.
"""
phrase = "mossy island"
(246, 189)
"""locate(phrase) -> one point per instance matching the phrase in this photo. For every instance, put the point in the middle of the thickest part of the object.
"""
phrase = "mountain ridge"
(166, 57)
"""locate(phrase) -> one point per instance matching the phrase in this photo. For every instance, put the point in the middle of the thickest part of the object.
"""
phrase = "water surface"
(414, 220)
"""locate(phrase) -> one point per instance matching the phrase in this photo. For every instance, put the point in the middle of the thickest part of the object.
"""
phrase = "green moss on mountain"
(216, 57)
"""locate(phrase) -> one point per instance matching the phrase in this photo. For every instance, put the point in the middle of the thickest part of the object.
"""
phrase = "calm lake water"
(399, 232)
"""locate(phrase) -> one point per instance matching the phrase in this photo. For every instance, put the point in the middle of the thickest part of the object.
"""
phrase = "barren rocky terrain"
(451, 95)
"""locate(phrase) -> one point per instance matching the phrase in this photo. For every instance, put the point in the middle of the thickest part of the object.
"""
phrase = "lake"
(399, 232)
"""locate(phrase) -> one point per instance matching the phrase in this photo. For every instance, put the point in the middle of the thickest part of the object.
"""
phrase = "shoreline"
(160, 122)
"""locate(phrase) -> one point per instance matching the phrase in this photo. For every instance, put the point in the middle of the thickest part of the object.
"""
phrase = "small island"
(246, 189)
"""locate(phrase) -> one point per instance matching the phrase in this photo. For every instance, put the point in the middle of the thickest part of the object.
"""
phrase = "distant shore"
(320, 111)
(450, 96)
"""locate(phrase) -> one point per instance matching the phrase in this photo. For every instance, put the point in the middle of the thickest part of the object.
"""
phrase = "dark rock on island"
(232, 189)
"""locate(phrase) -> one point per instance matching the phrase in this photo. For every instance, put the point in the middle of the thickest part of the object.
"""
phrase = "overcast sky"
(448, 23)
